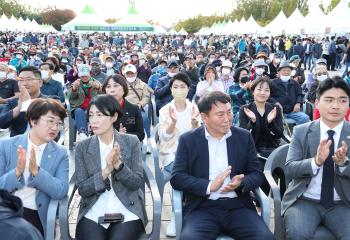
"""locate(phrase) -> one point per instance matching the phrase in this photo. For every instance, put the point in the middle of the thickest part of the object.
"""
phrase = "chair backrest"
(158, 172)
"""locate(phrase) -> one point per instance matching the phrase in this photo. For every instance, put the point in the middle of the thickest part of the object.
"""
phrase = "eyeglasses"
(27, 79)
(52, 123)
(321, 73)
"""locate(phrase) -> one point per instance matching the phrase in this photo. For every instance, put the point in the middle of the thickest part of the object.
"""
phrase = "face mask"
(244, 79)
(222, 59)
(179, 94)
(154, 56)
(142, 62)
(285, 78)
(259, 71)
(131, 79)
(109, 65)
(293, 72)
(113, 50)
(322, 77)
(171, 74)
(44, 75)
(3, 75)
(277, 60)
(18, 56)
(11, 76)
(173, 57)
(64, 60)
(161, 69)
(225, 71)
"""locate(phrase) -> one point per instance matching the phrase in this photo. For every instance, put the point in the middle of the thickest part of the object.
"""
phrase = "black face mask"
(244, 79)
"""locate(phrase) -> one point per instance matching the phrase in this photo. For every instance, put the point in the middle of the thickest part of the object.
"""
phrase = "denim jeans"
(307, 61)
(80, 117)
(167, 171)
(146, 122)
(299, 117)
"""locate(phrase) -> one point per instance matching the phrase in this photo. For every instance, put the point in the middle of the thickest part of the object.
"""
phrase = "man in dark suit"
(216, 167)
(318, 165)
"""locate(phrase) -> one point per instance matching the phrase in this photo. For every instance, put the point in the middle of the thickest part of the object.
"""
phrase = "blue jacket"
(153, 80)
(51, 181)
(191, 166)
(287, 98)
(162, 92)
(53, 88)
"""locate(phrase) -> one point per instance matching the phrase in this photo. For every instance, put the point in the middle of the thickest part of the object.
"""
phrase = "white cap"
(130, 68)
(227, 63)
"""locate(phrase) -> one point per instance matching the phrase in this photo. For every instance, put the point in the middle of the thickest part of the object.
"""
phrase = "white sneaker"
(171, 229)
(81, 136)
(149, 147)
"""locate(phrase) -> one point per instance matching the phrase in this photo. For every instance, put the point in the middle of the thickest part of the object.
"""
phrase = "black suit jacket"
(191, 167)
(132, 120)
(275, 128)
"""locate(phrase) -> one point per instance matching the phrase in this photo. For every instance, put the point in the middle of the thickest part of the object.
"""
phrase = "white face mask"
(131, 79)
(226, 71)
(259, 71)
(293, 73)
(285, 78)
(44, 75)
(18, 56)
(142, 62)
(322, 77)
(11, 76)
(3, 75)
(171, 74)
(109, 65)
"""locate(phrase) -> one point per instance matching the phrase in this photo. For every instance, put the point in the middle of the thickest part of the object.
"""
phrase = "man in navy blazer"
(216, 167)
(32, 165)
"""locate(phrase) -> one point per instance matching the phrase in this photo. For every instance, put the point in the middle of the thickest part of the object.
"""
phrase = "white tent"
(277, 25)
(241, 27)
(182, 32)
(159, 29)
(4, 23)
(87, 20)
(252, 26)
(315, 21)
(172, 31)
(338, 19)
(295, 22)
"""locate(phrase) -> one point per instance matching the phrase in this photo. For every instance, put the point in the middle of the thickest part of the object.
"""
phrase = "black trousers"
(88, 229)
(32, 216)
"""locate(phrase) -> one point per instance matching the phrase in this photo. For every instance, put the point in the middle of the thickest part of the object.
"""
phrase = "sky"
(166, 12)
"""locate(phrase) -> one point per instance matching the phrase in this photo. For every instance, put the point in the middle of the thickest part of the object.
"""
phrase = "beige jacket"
(167, 143)
(142, 89)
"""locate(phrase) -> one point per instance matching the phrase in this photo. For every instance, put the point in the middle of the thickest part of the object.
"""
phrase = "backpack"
(339, 50)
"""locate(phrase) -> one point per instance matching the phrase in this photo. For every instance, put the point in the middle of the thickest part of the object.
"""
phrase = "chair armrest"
(157, 202)
(276, 195)
(51, 219)
(177, 206)
(265, 205)
(158, 172)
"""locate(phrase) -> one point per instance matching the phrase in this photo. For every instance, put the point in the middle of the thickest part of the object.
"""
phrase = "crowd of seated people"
(215, 135)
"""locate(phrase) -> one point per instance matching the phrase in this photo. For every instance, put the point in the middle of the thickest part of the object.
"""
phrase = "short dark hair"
(260, 81)
(51, 67)
(206, 102)
(238, 72)
(41, 106)
(183, 77)
(32, 69)
(329, 83)
(107, 105)
(56, 62)
(117, 78)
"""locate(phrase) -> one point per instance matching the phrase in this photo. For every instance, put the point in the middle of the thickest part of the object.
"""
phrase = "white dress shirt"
(218, 163)
(27, 194)
(108, 202)
(314, 189)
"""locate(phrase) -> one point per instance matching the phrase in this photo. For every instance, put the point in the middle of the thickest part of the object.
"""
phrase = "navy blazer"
(191, 166)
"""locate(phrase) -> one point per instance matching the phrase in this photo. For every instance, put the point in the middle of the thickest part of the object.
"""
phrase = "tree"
(57, 17)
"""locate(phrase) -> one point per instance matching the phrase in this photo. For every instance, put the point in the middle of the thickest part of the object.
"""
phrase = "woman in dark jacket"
(262, 119)
(131, 121)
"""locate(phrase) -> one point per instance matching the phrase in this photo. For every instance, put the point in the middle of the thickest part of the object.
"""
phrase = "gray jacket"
(128, 184)
(302, 150)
